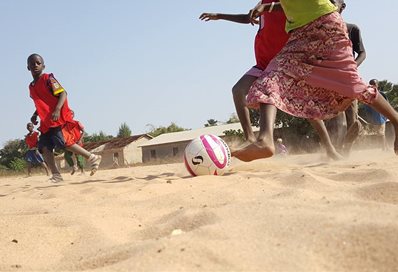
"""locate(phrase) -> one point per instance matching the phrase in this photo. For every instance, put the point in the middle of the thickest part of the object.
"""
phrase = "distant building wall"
(170, 151)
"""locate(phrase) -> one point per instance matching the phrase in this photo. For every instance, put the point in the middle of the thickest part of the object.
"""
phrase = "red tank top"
(32, 139)
(271, 36)
(44, 95)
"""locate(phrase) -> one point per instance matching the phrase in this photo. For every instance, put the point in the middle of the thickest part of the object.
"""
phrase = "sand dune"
(299, 213)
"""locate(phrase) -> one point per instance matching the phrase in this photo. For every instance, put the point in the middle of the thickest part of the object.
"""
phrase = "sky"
(149, 63)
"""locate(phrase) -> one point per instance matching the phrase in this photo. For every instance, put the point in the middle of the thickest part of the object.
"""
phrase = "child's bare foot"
(334, 155)
(254, 151)
(351, 136)
(95, 161)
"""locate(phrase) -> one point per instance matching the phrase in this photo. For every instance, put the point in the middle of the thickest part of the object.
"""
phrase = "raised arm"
(236, 18)
(357, 45)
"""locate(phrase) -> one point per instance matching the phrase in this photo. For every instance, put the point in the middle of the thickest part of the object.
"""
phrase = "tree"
(161, 130)
(233, 119)
(13, 153)
(124, 131)
(97, 137)
(211, 123)
(391, 90)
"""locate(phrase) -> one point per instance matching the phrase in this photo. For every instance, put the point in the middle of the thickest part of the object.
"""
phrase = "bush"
(17, 165)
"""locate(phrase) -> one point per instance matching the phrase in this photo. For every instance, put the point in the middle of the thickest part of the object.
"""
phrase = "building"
(170, 146)
(116, 152)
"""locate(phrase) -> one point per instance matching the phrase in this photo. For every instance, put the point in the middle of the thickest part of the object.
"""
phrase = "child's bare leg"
(381, 105)
(264, 146)
(239, 92)
(93, 159)
(320, 127)
(50, 160)
(29, 169)
(44, 165)
(353, 126)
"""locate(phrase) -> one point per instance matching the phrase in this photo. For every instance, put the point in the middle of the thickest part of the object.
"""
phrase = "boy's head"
(36, 65)
(374, 82)
(339, 4)
(29, 126)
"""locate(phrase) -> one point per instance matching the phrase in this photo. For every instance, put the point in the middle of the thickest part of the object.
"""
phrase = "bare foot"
(334, 155)
(351, 136)
(254, 151)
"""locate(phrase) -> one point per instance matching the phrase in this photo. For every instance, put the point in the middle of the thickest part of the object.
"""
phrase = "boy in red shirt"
(56, 122)
(33, 157)
(74, 160)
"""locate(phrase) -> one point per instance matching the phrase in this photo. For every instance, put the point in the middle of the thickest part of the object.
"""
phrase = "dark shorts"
(34, 157)
(52, 139)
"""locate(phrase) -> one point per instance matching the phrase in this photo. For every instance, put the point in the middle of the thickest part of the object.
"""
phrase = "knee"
(238, 91)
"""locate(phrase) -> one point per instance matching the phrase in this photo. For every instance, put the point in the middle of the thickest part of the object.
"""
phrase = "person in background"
(33, 157)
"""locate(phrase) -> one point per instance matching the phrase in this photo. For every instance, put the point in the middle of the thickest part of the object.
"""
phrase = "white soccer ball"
(207, 155)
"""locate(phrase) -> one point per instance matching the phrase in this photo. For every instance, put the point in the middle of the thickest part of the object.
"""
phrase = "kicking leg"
(93, 159)
(320, 127)
(239, 92)
(264, 146)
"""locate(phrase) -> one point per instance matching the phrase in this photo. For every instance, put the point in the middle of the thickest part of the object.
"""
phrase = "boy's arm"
(237, 18)
(61, 101)
(33, 119)
(357, 45)
(60, 92)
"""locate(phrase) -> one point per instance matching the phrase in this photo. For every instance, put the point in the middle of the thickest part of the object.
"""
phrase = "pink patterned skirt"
(315, 75)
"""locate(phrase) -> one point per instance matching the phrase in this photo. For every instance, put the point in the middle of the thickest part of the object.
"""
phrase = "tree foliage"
(124, 131)
(97, 137)
(13, 150)
(161, 130)
(233, 119)
(391, 90)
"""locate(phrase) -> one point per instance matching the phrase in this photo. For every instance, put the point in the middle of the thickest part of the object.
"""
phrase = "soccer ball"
(207, 155)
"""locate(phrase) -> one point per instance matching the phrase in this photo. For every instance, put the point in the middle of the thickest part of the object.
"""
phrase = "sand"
(299, 213)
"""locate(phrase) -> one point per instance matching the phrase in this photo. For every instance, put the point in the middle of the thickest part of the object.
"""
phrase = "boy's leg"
(44, 165)
(50, 160)
(80, 162)
(353, 126)
(239, 92)
(29, 169)
(68, 158)
(93, 159)
(264, 146)
(320, 127)
(381, 105)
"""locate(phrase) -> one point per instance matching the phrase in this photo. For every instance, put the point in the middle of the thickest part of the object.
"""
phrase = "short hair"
(33, 56)
(373, 82)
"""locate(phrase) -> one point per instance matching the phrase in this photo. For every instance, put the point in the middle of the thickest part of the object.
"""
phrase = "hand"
(56, 114)
(208, 16)
(253, 21)
(33, 119)
(256, 12)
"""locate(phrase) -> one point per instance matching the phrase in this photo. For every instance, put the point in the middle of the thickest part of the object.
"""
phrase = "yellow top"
(302, 12)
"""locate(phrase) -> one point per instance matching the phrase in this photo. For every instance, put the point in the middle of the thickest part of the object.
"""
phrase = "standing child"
(74, 160)
(33, 156)
(270, 39)
(314, 76)
(345, 135)
(56, 122)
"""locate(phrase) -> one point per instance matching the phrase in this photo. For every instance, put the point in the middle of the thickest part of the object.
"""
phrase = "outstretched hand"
(208, 16)
(33, 119)
(256, 12)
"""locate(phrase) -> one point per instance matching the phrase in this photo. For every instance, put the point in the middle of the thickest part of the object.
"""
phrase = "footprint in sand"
(185, 221)
(386, 192)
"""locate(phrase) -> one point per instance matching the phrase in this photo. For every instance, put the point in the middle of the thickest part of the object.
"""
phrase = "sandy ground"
(299, 213)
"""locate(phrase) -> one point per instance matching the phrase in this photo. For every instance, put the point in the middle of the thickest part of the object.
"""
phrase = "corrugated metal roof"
(115, 143)
(191, 134)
